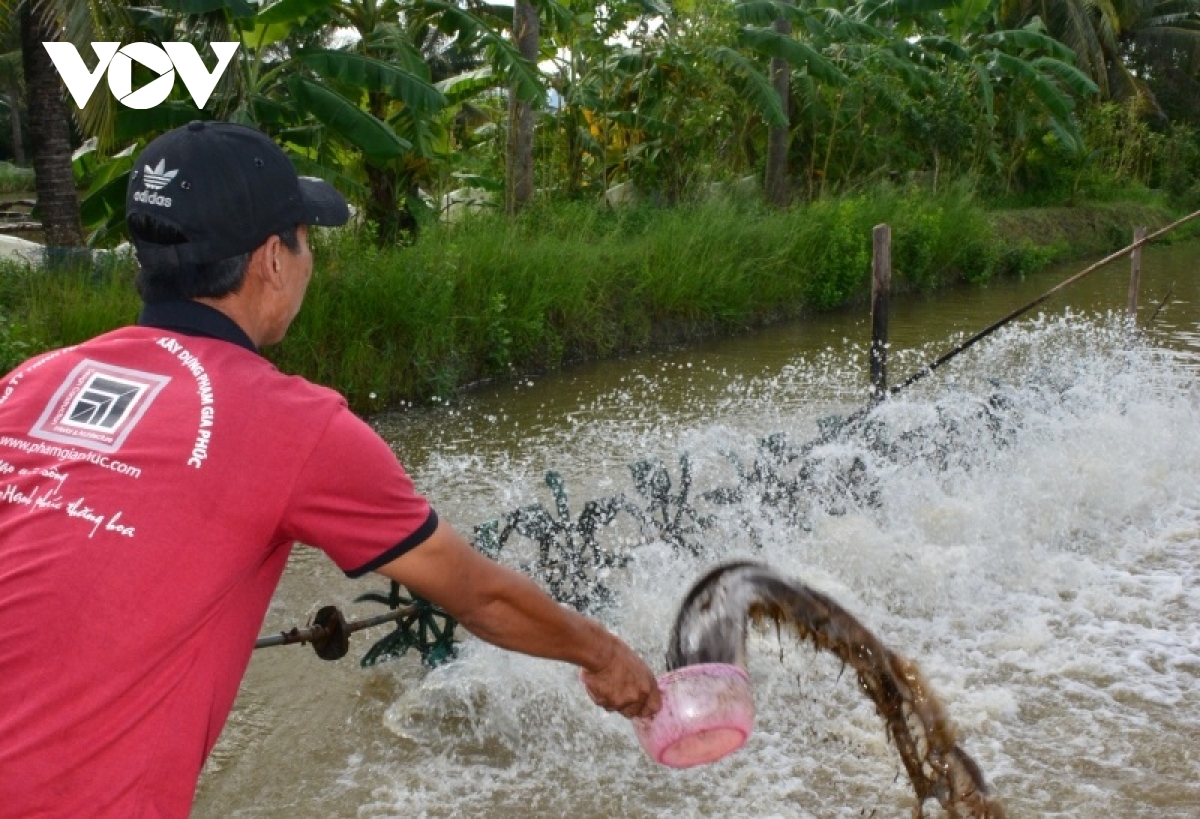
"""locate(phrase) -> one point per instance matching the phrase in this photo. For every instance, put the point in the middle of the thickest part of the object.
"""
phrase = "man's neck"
(196, 318)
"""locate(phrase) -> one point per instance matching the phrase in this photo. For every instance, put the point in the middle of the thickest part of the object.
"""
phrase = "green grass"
(15, 179)
(494, 297)
(569, 282)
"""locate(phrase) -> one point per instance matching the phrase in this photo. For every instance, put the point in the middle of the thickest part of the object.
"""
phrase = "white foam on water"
(1024, 525)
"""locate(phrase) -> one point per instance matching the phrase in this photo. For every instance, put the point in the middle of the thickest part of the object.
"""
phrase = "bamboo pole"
(929, 368)
(881, 285)
(987, 331)
(1135, 272)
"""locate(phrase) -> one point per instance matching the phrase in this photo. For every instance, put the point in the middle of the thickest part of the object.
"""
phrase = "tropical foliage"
(398, 102)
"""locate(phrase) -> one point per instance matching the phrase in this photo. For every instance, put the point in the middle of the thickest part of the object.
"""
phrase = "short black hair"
(189, 281)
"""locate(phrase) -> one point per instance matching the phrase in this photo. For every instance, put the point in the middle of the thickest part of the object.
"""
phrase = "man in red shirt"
(154, 479)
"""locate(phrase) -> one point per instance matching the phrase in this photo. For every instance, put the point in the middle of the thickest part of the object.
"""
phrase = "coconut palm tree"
(1113, 38)
(1160, 48)
(12, 87)
(50, 128)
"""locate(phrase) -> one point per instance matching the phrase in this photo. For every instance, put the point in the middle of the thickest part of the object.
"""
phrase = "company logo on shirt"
(98, 405)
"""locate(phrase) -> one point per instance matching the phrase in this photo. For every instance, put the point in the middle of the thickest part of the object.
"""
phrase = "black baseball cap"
(227, 188)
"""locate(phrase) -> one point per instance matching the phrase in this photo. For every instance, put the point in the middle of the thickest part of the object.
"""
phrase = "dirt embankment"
(1081, 231)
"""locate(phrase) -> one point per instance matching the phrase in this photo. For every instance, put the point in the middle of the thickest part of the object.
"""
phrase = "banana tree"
(393, 77)
(767, 30)
(358, 113)
(285, 82)
(883, 83)
(360, 110)
(674, 106)
(582, 43)
(848, 73)
(1026, 83)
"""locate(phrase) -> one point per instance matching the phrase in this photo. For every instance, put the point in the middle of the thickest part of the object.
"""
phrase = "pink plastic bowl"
(707, 713)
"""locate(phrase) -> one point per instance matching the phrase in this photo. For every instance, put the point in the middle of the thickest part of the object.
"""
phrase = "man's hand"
(623, 684)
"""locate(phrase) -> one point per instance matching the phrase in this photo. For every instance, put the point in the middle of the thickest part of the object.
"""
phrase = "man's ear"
(265, 261)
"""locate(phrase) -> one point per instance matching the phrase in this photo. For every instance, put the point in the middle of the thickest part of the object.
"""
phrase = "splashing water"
(1029, 533)
(1025, 524)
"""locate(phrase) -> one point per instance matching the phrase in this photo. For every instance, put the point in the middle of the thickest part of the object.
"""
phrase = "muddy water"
(1031, 537)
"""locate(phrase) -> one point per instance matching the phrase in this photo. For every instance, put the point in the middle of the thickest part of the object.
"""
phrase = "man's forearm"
(508, 609)
(521, 617)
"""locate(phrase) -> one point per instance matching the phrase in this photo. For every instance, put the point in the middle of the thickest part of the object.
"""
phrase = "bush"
(494, 297)
(15, 179)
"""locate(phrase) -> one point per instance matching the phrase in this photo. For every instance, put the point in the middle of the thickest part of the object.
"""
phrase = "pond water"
(1024, 524)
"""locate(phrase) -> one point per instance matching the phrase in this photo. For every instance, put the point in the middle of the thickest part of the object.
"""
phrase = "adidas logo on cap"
(155, 179)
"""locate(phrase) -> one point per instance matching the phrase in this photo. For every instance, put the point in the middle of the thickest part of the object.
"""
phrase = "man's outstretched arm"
(509, 610)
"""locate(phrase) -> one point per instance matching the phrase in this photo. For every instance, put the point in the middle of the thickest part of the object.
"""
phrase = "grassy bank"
(493, 298)
(15, 179)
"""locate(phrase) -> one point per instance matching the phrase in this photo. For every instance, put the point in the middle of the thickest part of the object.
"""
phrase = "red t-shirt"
(152, 484)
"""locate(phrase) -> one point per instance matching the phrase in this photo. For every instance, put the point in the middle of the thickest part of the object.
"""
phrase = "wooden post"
(881, 285)
(1135, 272)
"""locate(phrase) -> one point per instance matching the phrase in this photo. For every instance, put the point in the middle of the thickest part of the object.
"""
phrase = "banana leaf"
(467, 85)
(1030, 40)
(756, 85)
(900, 9)
(1076, 81)
(944, 45)
(291, 11)
(109, 199)
(1052, 99)
(373, 137)
(360, 71)
(349, 187)
(520, 74)
(757, 12)
(797, 54)
(238, 8)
